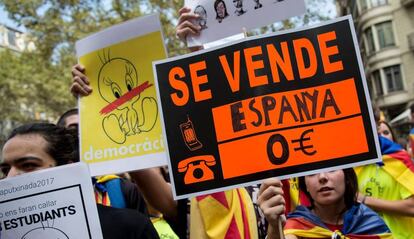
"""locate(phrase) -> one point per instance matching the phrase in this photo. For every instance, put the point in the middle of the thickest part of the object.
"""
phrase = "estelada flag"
(411, 141)
(360, 222)
(223, 215)
(397, 163)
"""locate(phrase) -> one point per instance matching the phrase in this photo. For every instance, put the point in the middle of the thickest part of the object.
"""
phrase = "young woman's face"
(25, 153)
(326, 188)
(384, 131)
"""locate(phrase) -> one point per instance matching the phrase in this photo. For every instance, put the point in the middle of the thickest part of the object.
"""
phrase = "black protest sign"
(285, 104)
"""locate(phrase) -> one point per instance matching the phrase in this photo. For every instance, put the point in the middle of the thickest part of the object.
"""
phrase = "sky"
(6, 21)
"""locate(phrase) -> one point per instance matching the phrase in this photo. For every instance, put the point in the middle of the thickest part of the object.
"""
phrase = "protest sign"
(285, 104)
(49, 204)
(120, 128)
(223, 18)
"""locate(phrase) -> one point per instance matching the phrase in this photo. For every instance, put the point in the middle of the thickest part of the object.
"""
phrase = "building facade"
(14, 39)
(385, 30)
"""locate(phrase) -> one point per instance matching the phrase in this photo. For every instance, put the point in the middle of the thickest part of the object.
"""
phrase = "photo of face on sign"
(202, 13)
(221, 10)
(258, 4)
(239, 7)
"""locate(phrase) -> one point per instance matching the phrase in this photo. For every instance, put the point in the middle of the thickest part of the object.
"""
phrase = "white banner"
(223, 18)
(52, 203)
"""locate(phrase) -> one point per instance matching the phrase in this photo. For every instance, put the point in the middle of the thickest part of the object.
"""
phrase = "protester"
(388, 189)
(69, 119)
(334, 211)
(385, 130)
(37, 146)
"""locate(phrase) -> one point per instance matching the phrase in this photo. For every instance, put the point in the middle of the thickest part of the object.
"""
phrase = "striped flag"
(223, 215)
(397, 163)
(108, 191)
(411, 141)
(360, 222)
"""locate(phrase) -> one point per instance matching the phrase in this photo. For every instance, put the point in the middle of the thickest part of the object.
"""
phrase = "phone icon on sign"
(189, 135)
(197, 168)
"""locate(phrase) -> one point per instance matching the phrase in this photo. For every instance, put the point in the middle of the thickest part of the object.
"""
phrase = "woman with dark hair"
(385, 130)
(351, 186)
(334, 211)
(69, 119)
(43, 145)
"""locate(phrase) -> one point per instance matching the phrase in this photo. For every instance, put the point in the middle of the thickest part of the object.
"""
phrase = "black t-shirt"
(125, 223)
(133, 197)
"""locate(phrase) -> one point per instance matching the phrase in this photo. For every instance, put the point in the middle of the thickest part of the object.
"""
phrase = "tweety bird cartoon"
(118, 85)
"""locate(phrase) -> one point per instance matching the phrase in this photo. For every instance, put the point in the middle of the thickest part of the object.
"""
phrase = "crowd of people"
(372, 201)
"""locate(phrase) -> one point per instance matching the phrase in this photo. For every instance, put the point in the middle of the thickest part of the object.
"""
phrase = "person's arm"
(272, 204)
(399, 207)
(156, 191)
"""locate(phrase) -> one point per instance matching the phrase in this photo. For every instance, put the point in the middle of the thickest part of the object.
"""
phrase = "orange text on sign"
(287, 109)
(335, 139)
(279, 62)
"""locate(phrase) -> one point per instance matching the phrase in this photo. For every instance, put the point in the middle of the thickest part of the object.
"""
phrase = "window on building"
(376, 78)
(369, 40)
(393, 78)
(376, 3)
(363, 5)
(385, 34)
(12, 38)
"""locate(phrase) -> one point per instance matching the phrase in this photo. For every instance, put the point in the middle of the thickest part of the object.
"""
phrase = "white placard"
(120, 128)
(52, 203)
(223, 18)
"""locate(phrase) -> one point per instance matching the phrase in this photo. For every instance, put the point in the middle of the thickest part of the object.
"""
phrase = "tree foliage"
(38, 81)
